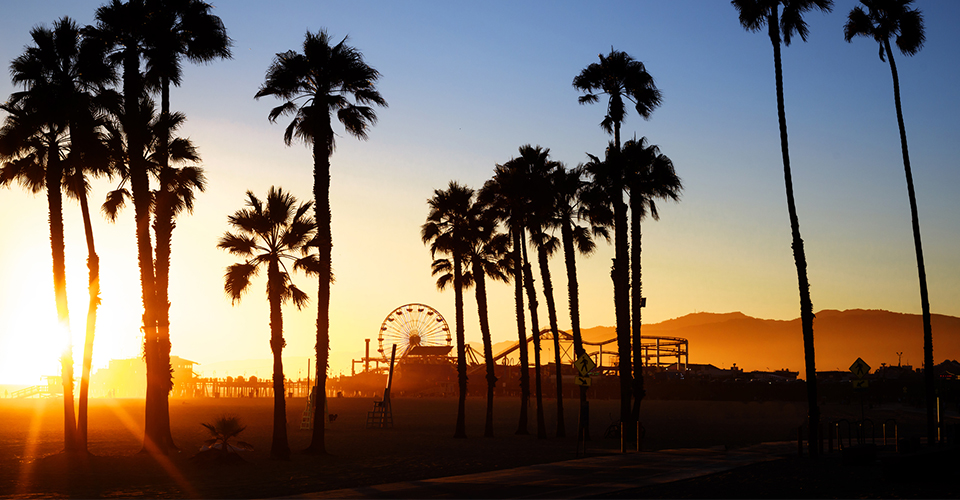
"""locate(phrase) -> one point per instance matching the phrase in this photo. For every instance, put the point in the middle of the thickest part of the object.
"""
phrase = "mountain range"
(840, 337)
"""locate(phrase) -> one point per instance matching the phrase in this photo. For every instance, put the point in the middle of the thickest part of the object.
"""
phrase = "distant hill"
(839, 337)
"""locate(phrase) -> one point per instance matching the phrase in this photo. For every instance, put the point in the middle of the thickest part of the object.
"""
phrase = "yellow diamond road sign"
(860, 368)
(584, 365)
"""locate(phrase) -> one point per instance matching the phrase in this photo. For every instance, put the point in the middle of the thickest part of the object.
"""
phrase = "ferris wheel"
(412, 325)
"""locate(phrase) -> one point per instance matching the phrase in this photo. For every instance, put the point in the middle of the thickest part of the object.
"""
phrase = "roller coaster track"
(672, 346)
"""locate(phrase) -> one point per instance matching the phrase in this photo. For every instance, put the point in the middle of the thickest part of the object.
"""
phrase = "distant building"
(127, 378)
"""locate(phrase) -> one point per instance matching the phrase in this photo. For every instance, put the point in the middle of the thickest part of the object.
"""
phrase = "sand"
(419, 446)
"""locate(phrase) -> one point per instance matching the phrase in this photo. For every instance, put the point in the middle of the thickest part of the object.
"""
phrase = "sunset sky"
(467, 84)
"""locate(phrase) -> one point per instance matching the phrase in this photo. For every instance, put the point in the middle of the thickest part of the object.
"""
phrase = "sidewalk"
(585, 477)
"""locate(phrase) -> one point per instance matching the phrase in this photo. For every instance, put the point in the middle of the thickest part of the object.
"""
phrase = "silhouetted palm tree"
(514, 204)
(176, 28)
(88, 156)
(447, 230)
(268, 233)
(606, 188)
(621, 78)
(322, 79)
(504, 195)
(569, 210)
(123, 30)
(881, 20)
(649, 176)
(543, 201)
(57, 73)
(754, 15)
(488, 255)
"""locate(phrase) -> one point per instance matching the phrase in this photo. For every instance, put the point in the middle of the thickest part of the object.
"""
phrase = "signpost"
(860, 369)
(584, 366)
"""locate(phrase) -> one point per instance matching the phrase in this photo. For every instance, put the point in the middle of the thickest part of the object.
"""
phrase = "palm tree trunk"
(461, 430)
(481, 292)
(321, 195)
(54, 174)
(133, 126)
(621, 287)
(163, 226)
(573, 298)
(636, 296)
(164, 215)
(521, 330)
(93, 266)
(621, 299)
(806, 305)
(535, 327)
(929, 377)
(552, 316)
(279, 447)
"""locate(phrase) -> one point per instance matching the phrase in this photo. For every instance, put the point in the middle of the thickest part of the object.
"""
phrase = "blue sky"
(467, 84)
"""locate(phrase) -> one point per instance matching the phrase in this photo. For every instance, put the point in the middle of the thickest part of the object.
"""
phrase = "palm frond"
(236, 280)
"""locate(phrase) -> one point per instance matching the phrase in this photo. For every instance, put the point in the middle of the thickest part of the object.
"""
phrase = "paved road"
(585, 477)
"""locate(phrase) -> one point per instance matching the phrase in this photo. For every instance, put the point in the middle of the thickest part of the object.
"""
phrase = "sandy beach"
(419, 446)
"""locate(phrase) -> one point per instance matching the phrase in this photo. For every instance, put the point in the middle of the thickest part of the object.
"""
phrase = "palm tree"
(176, 28)
(123, 31)
(542, 203)
(504, 195)
(570, 208)
(488, 255)
(754, 14)
(883, 19)
(322, 79)
(509, 194)
(620, 77)
(88, 155)
(268, 233)
(58, 74)
(649, 176)
(447, 231)
(606, 189)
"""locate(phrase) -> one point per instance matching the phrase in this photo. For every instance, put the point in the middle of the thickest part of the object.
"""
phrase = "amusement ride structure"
(424, 362)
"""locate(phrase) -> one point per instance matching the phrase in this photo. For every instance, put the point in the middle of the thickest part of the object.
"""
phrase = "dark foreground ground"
(828, 477)
(420, 446)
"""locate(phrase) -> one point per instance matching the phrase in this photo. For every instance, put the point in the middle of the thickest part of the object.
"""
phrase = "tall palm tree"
(269, 233)
(123, 31)
(315, 85)
(504, 195)
(754, 15)
(649, 176)
(176, 29)
(542, 202)
(488, 255)
(621, 78)
(570, 209)
(509, 193)
(447, 230)
(606, 188)
(881, 20)
(58, 74)
(88, 156)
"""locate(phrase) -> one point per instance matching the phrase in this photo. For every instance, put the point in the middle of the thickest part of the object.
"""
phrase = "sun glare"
(33, 350)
